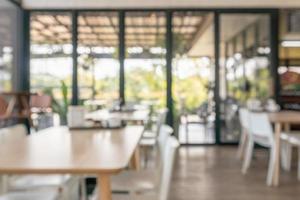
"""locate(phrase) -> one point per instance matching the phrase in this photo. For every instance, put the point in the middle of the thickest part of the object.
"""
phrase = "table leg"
(287, 127)
(135, 159)
(276, 173)
(104, 187)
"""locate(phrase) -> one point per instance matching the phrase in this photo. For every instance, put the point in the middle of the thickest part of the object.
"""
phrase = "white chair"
(260, 132)
(150, 136)
(145, 179)
(286, 150)
(244, 121)
(161, 118)
(289, 141)
(254, 104)
(134, 181)
(65, 184)
(148, 141)
(161, 191)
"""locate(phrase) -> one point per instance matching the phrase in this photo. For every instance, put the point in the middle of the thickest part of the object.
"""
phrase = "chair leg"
(248, 156)
(186, 132)
(271, 166)
(146, 157)
(83, 188)
(242, 145)
(286, 156)
(3, 184)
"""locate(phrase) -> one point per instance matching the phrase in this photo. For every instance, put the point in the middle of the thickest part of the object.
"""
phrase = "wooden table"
(61, 151)
(282, 119)
(138, 116)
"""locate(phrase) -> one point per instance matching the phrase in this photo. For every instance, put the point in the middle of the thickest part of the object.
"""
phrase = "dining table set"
(80, 150)
(270, 127)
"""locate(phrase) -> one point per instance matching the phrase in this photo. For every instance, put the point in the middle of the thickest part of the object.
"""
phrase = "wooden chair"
(40, 103)
(3, 111)
(3, 106)
(18, 106)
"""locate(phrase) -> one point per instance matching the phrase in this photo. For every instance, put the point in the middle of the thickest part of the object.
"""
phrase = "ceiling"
(231, 24)
(193, 31)
(80, 4)
(146, 29)
(7, 24)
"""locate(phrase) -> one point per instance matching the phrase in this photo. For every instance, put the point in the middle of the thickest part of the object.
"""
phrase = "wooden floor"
(213, 173)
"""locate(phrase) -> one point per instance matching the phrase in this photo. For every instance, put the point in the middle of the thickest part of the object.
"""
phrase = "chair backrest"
(167, 170)
(163, 135)
(261, 126)
(15, 132)
(253, 104)
(3, 106)
(40, 101)
(244, 118)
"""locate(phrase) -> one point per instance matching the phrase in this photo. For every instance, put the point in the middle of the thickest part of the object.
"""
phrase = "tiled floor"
(213, 173)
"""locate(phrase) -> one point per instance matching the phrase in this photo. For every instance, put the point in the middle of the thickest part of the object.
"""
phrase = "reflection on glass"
(289, 69)
(193, 73)
(8, 44)
(145, 57)
(98, 65)
(244, 66)
(51, 49)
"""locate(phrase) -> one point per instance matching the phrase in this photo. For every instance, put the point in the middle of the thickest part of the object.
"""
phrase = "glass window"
(245, 64)
(193, 75)
(51, 53)
(9, 45)
(145, 63)
(289, 69)
(98, 62)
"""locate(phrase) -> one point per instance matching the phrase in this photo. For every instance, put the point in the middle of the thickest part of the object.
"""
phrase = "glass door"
(193, 67)
(245, 67)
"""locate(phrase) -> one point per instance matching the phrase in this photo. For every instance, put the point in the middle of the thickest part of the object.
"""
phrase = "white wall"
(80, 4)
